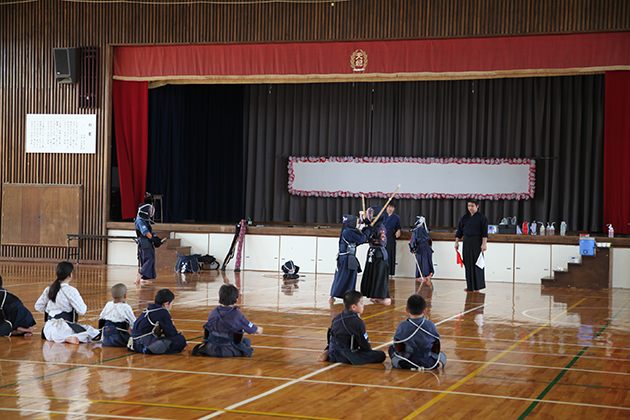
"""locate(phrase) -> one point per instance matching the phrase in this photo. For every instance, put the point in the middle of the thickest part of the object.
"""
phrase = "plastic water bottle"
(611, 231)
(563, 228)
(552, 229)
(542, 228)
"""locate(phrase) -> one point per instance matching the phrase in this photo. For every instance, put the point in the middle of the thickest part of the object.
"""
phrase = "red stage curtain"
(131, 109)
(617, 151)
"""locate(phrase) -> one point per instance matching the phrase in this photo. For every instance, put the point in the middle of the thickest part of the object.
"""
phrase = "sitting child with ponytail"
(61, 305)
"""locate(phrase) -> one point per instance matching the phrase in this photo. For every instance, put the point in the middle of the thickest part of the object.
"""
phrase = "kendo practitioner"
(392, 226)
(347, 263)
(473, 228)
(416, 341)
(347, 336)
(375, 281)
(420, 246)
(61, 305)
(154, 332)
(223, 333)
(116, 318)
(147, 242)
(15, 319)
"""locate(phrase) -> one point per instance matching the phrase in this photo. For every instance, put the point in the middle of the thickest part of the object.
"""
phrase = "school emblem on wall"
(359, 60)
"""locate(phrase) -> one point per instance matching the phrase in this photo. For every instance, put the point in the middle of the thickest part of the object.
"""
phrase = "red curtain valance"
(369, 60)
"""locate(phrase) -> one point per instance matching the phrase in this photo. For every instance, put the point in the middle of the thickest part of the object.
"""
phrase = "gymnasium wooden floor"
(514, 352)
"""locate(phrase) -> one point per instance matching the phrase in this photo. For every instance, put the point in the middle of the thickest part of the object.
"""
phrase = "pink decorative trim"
(460, 161)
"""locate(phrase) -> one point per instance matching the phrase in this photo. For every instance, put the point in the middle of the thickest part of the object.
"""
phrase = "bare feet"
(466, 290)
(323, 356)
(137, 278)
(72, 340)
(27, 332)
(143, 281)
(386, 301)
(331, 300)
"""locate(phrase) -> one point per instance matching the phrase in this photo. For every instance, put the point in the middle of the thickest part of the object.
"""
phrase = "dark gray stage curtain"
(301, 120)
(558, 121)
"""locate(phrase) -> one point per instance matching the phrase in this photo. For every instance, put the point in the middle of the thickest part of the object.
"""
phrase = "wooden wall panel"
(34, 214)
(30, 30)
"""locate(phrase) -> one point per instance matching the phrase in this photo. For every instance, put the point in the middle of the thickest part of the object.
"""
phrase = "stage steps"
(166, 255)
(593, 272)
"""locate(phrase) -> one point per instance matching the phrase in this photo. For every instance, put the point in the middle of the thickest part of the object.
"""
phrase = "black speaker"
(66, 65)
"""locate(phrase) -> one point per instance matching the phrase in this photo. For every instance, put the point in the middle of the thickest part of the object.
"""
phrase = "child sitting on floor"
(347, 337)
(154, 332)
(223, 333)
(116, 318)
(416, 341)
(61, 305)
(15, 319)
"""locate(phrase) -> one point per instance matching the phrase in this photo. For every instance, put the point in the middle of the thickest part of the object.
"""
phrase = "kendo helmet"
(350, 221)
(374, 211)
(290, 270)
(146, 212)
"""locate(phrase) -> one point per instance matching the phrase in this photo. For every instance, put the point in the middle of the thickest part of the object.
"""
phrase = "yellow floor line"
(68, 412)
(180, 407)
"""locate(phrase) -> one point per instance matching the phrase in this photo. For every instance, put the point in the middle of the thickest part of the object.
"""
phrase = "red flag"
(459, 259)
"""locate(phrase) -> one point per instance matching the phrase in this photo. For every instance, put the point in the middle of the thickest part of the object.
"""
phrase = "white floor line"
(603, 372)
(8, 286)
(271, 391)
(459, 348)
(72, 413)
(503, 397)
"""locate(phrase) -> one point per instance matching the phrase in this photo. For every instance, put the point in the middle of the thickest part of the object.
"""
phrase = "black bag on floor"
(208, 262)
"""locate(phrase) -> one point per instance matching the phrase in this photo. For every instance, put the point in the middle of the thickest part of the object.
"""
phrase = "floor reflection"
(469, 324)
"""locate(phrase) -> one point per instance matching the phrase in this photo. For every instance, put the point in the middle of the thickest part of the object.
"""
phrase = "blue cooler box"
(587, 246)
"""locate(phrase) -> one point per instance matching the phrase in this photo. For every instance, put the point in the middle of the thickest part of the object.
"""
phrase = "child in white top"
(61, 304)
(116, 318)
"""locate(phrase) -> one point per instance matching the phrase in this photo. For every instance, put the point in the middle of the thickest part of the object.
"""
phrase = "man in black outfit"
(473, 228)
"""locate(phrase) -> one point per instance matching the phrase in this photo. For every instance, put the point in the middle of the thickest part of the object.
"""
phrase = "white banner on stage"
(419, 178)
(61, 133)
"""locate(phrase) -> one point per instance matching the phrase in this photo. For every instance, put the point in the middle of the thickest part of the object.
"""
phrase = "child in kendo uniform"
(116, 318)
(223, 333)
(15, 319)
(347, 337)
(61, 305)
(347, 262)
(154, 332)
(416, 341)
(375, 280)
(147, 242)
(420, 246)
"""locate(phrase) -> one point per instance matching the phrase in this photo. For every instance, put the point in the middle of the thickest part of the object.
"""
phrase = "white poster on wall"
(61, 133)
